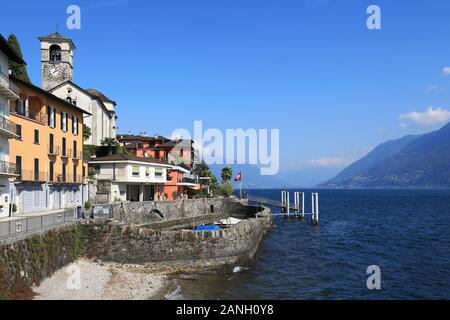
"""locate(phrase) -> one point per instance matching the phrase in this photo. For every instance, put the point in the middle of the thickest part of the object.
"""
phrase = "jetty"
(295, 208)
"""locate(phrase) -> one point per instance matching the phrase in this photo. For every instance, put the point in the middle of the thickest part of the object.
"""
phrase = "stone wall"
(111, 241)
(27, 262)
(144, 212)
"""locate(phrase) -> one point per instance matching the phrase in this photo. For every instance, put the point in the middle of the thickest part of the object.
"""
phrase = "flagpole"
(240, 184)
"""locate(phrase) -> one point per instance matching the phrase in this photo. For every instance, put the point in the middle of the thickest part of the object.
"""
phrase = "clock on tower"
(57, 60)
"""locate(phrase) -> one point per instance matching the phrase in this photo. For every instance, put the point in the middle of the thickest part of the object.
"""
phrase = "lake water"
(405, 233)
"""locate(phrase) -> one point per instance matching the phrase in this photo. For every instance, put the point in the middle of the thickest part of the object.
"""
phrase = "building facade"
(57, 52)
(177, 152)
(102, 119)
(8, 129)
(48, 152)
(123, 178)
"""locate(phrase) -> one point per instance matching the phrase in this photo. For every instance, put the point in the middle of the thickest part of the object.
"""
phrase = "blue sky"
(309, 67)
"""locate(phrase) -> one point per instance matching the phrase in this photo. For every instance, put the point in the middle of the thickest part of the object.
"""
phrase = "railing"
(21, 110)
(68, 178)
(53, 150)
(21, 227)
(8, 125)
(120, 175)
(7, 168)
(66, 153)
(6, 82)
(29, 175)
(78, 155)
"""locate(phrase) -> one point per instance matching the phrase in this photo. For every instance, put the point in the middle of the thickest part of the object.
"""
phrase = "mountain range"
(413, 161)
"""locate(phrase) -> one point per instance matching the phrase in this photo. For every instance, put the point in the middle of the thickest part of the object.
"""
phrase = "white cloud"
(446, 71)
(430, 117)
(432, 88)
(339, 160)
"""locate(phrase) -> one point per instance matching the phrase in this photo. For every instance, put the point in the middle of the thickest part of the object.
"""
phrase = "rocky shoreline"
(102, 281)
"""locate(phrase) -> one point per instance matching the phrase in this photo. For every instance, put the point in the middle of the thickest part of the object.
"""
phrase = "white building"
(57, 52)
(102, 120)
(128, 178)
(8, 130)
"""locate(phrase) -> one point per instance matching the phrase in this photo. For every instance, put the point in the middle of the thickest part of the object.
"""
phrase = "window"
(19, 131)
(64, 147)
(74, 125)
(36, 169)
(147, 172)
(19, 165)
(52, 171)
(64, 120)
(136, 171)
(51, 147)
(36, 136)
(159, 173)
(55, 53)
(69, 100)
(75, 173)
(51, 117)
(75, 149)
(64, 169)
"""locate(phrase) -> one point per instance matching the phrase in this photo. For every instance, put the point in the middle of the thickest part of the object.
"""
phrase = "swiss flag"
(239, 176)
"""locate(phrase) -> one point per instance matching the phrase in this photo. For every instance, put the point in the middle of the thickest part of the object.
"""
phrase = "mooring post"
(317, 208)
(313, 210)
(296, 203)
(303, 205)
(282, 200)
(288, 204)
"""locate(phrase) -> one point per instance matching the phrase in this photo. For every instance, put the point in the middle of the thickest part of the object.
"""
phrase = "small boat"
(208, 227)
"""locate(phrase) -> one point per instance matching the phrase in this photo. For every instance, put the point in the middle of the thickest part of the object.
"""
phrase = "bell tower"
(56, 60)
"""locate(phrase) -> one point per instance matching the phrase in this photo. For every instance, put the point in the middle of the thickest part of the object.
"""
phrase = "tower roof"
(57, 37)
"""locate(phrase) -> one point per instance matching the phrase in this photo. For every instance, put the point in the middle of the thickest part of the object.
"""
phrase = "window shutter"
(67, 121)
(62, 120)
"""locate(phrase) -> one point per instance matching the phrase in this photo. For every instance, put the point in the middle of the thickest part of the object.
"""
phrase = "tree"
(19, 70)
(202, 171)
(110, 142)
(227, 174)
(226, 189)
(86, 132)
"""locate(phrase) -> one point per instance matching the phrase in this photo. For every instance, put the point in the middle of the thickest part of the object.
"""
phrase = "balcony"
(66, 153)
(8, 169)
(77, 155)
(68, 179)
(8, 129)
(21, 110)
(7, 88)
(32, 176)
(53, 150)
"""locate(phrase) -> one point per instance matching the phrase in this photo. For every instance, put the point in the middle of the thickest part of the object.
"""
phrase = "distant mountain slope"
(409, 162)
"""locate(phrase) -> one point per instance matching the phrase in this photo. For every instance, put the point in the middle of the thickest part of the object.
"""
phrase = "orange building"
(179, 153)
(48, 153)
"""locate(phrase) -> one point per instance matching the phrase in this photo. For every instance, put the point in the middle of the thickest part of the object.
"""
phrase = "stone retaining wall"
(140, 245)
(143, 212)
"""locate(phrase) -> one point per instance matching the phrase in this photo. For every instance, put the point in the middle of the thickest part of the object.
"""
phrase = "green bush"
(226, 189)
